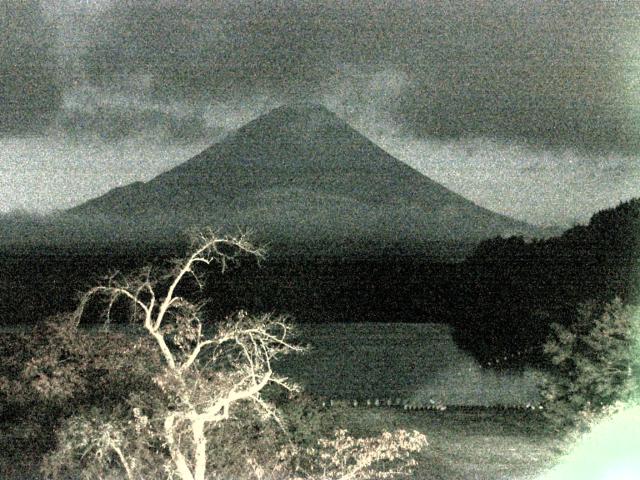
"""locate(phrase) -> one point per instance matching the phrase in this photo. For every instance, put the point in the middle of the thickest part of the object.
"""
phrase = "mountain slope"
(300, 173)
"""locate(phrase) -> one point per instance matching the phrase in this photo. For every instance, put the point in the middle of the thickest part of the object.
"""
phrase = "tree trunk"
(179, 461)
(200, 442)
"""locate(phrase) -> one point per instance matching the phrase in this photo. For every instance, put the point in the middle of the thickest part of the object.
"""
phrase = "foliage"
(514, 290)
(345, 457)
(97, 444)
(210, 411)
(93, 445)
(62, 367)
(56, 370)
(592, 364)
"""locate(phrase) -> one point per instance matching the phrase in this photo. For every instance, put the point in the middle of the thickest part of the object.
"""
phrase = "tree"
(204, 376)
(209, 375)
(593, 363)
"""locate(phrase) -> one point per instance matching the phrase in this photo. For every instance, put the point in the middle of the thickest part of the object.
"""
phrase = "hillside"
(520, 288)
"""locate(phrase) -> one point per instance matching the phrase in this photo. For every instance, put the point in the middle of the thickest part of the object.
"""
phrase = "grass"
(489, 445)
(481, 447)
(475, 445)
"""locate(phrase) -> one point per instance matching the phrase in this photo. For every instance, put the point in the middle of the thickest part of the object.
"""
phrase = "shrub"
(592, 364)
(386, 456)
(56, 370)
(59, 366)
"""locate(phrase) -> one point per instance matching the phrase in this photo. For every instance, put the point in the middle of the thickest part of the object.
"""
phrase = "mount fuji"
(300, 175)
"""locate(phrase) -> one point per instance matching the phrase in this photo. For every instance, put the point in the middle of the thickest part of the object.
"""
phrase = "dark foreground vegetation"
(485, 446)
(519, 289)
(56, 375)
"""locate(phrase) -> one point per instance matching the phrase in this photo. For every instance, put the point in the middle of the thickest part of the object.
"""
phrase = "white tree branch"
(251, 341)
(177, 456)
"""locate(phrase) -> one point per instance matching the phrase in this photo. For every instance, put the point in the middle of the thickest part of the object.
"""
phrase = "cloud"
(550, 73)
(547, 72)
(30, 90)
(131, 110)
(544, 186)
(212, 50)
(543, 72)
(49, 172)
(113, 116)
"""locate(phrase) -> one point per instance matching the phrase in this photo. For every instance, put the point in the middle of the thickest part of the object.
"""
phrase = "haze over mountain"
(300, 174)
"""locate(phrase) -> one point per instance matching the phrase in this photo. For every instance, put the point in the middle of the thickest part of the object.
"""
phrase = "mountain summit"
(301, 174)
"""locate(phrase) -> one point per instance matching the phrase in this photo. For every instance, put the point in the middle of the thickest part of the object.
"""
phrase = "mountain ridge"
(301, 169)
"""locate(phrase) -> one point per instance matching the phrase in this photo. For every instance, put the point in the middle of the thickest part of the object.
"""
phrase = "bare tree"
(204, 375)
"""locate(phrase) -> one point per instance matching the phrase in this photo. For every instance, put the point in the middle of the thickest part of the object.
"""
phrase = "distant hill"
(301, 175)
(519, 288)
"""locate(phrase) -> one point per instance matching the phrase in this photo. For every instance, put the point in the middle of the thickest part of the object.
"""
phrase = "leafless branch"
(240, 352)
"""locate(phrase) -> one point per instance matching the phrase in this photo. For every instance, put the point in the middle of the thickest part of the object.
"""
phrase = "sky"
(531, 109)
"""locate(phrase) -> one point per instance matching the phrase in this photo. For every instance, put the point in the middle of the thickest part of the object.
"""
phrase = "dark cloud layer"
(30, 91)
(551, 72)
